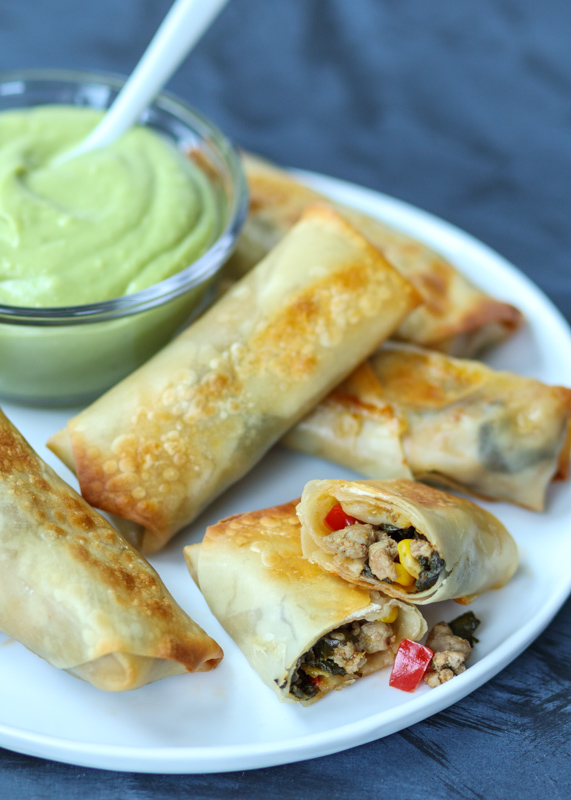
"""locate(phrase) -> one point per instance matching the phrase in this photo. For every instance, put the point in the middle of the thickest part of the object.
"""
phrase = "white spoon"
(179, 32)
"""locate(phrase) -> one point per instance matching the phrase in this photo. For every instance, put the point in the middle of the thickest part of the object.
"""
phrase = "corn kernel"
(404, 578)
(408, 561)
(391, 615)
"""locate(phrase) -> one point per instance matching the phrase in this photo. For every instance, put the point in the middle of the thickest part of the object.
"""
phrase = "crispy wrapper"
(456, 317)
(478, 552)
(276, 605)
(169, 438)
(75, 592)
(412, 413)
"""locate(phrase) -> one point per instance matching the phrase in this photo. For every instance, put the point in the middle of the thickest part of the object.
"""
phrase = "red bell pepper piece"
(338, 519)
(411, 662)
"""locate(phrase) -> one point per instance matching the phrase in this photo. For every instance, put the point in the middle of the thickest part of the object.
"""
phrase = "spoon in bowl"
(180, 30)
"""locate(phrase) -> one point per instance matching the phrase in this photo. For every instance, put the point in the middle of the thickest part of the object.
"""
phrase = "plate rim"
(192, 759)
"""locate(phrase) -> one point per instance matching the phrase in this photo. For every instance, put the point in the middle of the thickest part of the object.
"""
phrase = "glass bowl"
(71, 354)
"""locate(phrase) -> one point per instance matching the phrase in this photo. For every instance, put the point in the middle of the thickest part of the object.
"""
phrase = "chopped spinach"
(302, 686)
(500, 450)
(366, 572)
(430, 567)
(327, 665)
(464, 626)
(321, 653)
(319, 656)
(325, 647)
(398, 534)
(430, 570)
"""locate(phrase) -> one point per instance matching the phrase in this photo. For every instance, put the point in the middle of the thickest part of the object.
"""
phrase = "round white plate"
(228, 719)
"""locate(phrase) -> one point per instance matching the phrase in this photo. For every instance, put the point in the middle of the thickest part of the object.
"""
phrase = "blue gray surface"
(462, 107)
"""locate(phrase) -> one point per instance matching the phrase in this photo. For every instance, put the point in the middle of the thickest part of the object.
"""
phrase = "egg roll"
(405, 539)
(305, 632)
(412, 413)
(456, 317)
(74, 592)
(158, 447)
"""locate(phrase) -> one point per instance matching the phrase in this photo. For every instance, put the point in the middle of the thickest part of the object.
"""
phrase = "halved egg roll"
(305, 632)
(414, 413)
(164, 442)
(456, 317)
(74, 592)
(405, 539)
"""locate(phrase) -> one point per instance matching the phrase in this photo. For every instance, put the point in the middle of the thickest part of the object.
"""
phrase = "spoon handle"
(180, 30)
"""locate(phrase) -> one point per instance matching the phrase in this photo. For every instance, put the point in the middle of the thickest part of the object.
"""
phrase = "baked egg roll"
(74, 592)
(412, 413)
(456, 317)
(158, 447)
(405, 539)
(305, 632)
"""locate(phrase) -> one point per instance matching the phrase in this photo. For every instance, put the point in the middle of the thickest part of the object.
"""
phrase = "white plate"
(227, 719)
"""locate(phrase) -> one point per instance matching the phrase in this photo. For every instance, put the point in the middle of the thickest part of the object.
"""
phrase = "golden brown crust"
(426, 496)
(275, 530)
(564, 456)
(118, 493)
(54, 524)
(274, 533)
(427, 380)
(276, 605)
(477, 551)
(430, 380)
(363, 392)
(271, 531)
(164, 442)
(455, 317)
(456, 423)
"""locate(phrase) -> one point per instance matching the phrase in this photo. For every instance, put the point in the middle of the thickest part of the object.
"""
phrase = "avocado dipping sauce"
(103, 225)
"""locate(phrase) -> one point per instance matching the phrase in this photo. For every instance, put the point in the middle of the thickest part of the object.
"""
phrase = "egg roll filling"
(388, 553)
(343, 655)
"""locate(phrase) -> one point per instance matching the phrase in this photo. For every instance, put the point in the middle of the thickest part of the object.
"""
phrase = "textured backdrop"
(462, 107)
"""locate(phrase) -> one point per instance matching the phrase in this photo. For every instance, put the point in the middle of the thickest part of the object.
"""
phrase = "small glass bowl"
(70, 354)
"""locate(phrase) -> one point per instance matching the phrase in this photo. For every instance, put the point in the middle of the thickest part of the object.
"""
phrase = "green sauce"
(105, 224)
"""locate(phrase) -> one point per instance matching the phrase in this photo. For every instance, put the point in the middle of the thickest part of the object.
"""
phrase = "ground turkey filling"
(450, 653)
(338, 657)
(378, 547)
